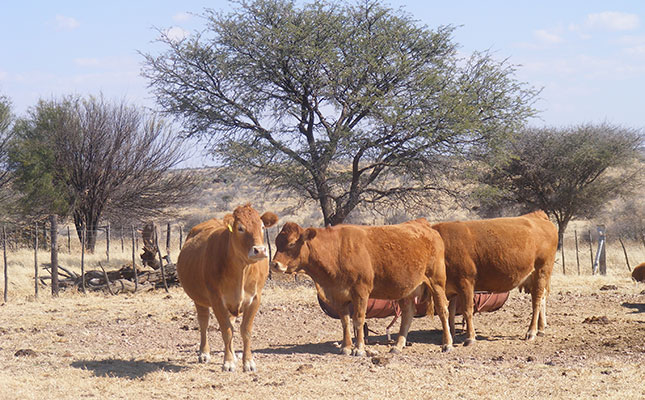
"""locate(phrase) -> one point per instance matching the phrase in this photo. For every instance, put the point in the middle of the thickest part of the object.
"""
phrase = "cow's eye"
(291, 245)
(240, 228)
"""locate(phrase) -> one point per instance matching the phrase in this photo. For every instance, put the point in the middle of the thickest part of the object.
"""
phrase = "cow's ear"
(269, 219)
(309, 234)
(228, 221)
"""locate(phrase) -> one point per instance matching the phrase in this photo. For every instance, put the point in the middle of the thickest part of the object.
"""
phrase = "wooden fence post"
(168, 238)
(122, 249)
(625, 251)
(53, 220)
(69, 241)
(36, 259)
(134, 265)
(83, 236)
(163, 269)
(107, 246)
(591, 250)
(4, 256)
(575, 234)
(181, 236)
(600, 263)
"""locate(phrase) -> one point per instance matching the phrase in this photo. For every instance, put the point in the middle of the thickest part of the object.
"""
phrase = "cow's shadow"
(637, 307)
(307, 348)
(131, 369)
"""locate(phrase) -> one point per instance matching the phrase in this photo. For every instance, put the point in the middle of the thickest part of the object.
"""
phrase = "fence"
(38, 238)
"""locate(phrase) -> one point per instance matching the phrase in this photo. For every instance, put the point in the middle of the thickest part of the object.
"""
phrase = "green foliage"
(337, 102)
(6, 122)
(570, 172)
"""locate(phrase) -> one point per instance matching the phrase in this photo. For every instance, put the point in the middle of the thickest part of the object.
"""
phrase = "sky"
(587, 56)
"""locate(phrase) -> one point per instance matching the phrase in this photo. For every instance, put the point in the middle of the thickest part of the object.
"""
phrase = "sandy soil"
(145, 346)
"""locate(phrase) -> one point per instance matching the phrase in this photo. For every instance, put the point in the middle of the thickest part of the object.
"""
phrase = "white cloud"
(613, 21)
(86, 62)
(545, 36)
(64, 23)
(3, 75)
(176, 33)
(181, 17)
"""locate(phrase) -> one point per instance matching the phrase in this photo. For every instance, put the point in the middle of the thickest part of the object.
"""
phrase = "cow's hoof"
(540, 333)
(530, 336)
(358, 352)
(346, 351)
(395, 350)
(469, 342)
(249, 366)
(228, 366)
(204, 358)
(446, 348)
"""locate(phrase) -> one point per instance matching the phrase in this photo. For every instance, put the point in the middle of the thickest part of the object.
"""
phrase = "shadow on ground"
(637, 307)
(131, 369)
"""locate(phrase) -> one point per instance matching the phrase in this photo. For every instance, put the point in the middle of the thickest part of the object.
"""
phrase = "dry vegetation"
(145, 345)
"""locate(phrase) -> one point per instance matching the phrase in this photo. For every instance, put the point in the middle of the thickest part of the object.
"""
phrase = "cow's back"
(497, 253)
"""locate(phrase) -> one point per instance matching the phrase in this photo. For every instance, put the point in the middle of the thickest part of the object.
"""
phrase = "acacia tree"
(89, 158)
(347, 105)
(567, 172)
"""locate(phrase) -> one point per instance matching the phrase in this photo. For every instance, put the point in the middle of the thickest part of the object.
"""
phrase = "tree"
(89, 158)
(567, 172)
(347, 105)
(6, 120)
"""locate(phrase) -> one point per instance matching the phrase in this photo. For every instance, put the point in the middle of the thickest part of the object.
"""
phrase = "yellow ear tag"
(230, 228)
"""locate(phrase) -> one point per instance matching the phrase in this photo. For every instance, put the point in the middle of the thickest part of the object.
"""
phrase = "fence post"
(625, 251)
(44, 236)
(36, 259)
(122, 249)
(601, 260)
(107, 247)
(69, 241)
(591, 250)
(564, 271)
(163, 269)
(54, 253)
(575, 234)
(83, 236)
(168, 238)
(181, 236)
(4, 256)
(134, 265)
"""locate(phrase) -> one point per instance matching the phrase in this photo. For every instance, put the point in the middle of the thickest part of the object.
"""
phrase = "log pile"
(118, 281)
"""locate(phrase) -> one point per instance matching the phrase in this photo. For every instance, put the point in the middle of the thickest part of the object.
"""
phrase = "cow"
(497, 255)
(224, 265)
(638, 274)
(352, 263)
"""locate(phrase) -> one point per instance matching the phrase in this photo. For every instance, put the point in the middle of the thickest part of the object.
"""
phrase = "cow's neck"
(319, 271)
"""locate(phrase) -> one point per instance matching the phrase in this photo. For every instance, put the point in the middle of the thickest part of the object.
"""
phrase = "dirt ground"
(145, 346)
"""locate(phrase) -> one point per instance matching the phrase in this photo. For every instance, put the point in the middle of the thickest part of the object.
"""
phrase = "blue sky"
(588, 56)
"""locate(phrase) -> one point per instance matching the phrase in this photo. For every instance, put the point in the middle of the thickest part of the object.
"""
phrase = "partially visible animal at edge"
(638, 274)
(352, 263)
(497, 255)
(223, 265)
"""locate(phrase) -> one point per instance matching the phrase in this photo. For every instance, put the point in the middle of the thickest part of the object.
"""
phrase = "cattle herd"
(224, 265)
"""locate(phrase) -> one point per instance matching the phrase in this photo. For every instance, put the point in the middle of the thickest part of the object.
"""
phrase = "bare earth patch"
(145, 346)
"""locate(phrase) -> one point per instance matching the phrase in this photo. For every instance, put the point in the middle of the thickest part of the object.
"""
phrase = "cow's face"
(292, 252)
(247, 232)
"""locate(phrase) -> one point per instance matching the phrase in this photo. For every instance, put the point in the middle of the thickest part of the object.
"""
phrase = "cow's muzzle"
(277, 266)
(258, 252)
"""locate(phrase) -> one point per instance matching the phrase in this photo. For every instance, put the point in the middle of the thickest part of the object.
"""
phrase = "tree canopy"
(344, 104)
(6, 122)
(567, 172)
(90, 158)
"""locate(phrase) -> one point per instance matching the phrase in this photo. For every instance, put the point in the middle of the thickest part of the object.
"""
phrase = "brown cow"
(497, 255)
(224, 265)
(352, 263)
(638, 274)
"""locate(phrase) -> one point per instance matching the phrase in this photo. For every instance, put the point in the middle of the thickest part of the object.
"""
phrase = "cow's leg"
(245, 329)
(203, 315)
(452, 312)
(346, 347)
(226, 327)
(360, 308)
(467, 294)
(441, 307)
(542, 317)
(538, 300)
(407, 312)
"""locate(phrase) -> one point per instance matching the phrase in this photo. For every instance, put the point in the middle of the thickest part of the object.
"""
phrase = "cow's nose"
(259, 251)
(278, 267)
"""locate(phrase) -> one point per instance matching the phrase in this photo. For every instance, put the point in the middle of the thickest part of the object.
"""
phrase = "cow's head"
(247, 232)
(291, 253)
